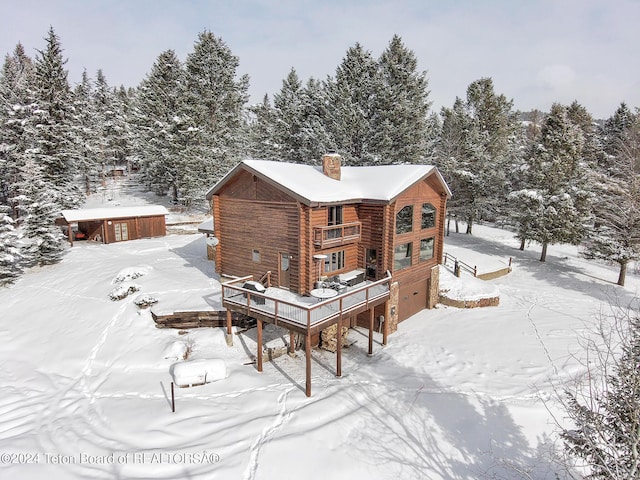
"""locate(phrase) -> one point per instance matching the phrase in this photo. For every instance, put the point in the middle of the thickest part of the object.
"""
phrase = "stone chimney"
(331, 165)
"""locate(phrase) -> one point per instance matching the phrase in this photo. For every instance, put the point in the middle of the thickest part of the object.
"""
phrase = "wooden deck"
(305, 315)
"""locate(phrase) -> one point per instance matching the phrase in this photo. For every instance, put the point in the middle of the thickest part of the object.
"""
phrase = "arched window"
(404, 220)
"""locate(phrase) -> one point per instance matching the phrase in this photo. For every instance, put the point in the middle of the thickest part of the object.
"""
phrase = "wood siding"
(139, 227)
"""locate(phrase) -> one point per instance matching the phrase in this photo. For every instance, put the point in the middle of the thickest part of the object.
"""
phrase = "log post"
(385, 324)
(339, 346)
(259, 345)
(371, 318)
(307, 350)
(292, 342)
(229, 335)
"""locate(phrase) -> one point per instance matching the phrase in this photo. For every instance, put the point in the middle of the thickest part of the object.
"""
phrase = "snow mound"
(198, 372)
(122, 291)
(131, 273)
(465, 288)
(146, 300)
(175, 350)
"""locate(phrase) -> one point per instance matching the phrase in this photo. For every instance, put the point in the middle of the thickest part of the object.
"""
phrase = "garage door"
(412, 299)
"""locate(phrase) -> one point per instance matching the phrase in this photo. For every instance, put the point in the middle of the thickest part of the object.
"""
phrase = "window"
(255, 255)
(334, 215)
(428, 215)
(334, 261)
(426, 249)
(402, 256)
(122, 231)
(404, 220)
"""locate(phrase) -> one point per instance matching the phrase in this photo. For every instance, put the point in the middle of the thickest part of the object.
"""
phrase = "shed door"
(284, 274)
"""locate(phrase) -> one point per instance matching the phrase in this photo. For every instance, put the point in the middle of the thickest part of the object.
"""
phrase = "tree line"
(558, 177)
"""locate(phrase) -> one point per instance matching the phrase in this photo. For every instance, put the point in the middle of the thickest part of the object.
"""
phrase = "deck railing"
(303, 315)
(332, 235)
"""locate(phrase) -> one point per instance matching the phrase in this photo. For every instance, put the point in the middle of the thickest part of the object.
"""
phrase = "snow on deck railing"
(263, 303)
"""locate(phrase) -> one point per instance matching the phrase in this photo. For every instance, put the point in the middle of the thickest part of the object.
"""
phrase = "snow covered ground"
(456, 394)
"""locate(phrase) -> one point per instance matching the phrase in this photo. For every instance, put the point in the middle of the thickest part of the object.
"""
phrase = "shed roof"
(87, 214)
(311, 186)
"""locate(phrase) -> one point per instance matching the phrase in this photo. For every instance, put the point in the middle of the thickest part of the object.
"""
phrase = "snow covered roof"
(309, 184)
(206, 226)
(85, 214)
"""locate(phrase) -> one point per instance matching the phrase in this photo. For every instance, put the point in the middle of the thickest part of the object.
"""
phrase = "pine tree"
(215, 99)
(289, 121)
(615, 235)
(16, 107)
(10, 254)
(350, 98)
(44, 240)
(261, 143)
(555, 205)
(86, 132)
(316, 140)
(401, 108)
(53, 143)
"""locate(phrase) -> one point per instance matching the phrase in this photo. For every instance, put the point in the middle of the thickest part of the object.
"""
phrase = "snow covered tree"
(16, 106)
(261, 143)
(316, 140)
(604, 406)
(159, 115)
(10, 255)
(215, 102)
(554, 207)
(38, 211)
(54, 145)
(288, 111)
(615, 235)
(350, 103)
(478, 149)
(399, 119)
(85, 125)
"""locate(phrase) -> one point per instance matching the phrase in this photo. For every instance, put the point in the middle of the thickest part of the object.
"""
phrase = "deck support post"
(307, 352)
(259, 359)
(371, 317)
(292, 342)
(229, 333)
(385, 325)
(339, 348)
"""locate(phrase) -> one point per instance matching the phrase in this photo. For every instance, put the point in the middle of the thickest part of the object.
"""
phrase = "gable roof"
(307, 183)
(86, 214)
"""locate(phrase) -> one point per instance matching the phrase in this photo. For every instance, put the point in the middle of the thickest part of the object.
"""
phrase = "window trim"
(337, 258)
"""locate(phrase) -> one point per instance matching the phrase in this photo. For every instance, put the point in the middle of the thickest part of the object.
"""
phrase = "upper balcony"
(335, 235)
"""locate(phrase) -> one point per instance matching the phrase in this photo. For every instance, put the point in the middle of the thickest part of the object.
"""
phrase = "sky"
(537, 52)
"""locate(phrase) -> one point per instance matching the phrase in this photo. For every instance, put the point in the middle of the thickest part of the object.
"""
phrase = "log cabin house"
(117, 224)
(377, 230)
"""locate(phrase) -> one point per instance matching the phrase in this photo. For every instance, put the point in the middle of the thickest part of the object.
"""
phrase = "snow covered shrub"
(144, 301)
(130, 273)
(10, 255)
(123, 291)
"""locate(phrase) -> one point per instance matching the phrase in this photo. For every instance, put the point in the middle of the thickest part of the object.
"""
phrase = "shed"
(117, 224)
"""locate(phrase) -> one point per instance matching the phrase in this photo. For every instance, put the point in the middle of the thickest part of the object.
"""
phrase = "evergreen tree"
(350, 98)
(288, 106)
(615, 235)
(316, 140)
(401, 108)
(16, 109)
(86, 132)
(53, 144)
(555, 205)
(44, 240)
(10, 255)
(216, 99)
(261, 143)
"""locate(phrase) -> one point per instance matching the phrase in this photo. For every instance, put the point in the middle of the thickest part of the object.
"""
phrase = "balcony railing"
(333, 235)
(302, 314)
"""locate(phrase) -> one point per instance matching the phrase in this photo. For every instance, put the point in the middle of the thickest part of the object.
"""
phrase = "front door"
(284, 274)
